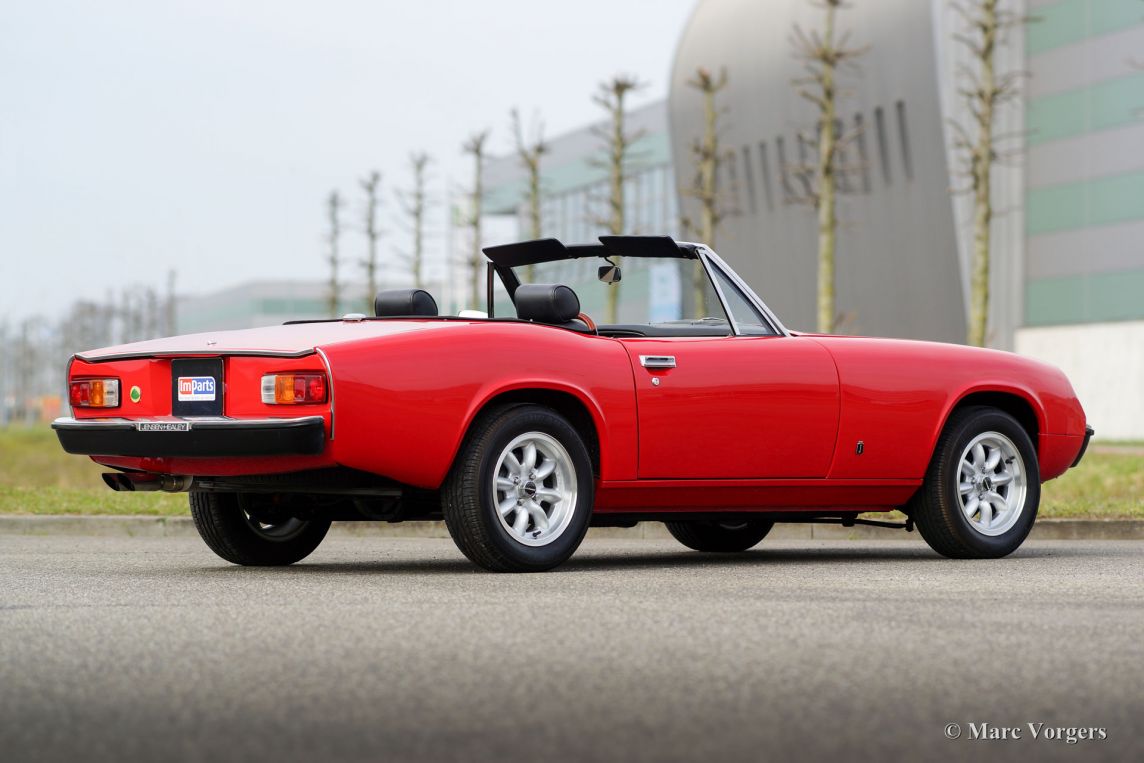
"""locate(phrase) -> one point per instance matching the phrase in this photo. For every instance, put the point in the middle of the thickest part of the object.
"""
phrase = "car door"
(734, 407)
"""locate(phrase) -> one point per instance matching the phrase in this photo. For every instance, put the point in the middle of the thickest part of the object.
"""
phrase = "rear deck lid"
(292, 340)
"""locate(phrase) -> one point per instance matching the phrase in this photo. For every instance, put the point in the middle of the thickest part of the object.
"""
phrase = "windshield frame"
(710, 262)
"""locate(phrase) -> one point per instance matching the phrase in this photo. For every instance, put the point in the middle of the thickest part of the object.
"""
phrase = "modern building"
(1067, 280)
(575, 191)
(268, 303)
(575, 183)
(257, 303)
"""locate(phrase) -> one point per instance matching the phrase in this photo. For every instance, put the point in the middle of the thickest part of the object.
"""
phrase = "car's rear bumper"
(195, 437)
(1088, 432)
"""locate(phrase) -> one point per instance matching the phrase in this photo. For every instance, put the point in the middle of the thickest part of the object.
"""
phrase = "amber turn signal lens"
(294, 389)
(94, 393)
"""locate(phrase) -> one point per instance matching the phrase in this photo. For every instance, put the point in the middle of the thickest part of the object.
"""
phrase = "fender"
(405, 402)
(608, 463)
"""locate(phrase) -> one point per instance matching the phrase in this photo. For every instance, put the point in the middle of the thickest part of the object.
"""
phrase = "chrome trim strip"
(198, 354)
(702, 253)
(67, 385)
(748, 292)
(67, 422)
(329, 387)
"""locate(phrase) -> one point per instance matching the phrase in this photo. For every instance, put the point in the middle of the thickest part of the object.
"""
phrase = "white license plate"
(163, 426)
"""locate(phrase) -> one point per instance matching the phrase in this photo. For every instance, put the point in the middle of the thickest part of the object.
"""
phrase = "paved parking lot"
(398, 649)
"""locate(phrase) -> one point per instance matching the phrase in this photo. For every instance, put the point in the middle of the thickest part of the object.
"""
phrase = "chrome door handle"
(657, 361)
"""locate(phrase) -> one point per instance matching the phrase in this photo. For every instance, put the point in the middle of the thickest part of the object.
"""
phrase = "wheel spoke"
(548, 494)
(986, 514)
(993, 460)
(511, 462)
(997, 500)
(538, 515)
(1004, 478)
(506, 506)
(978, 454)
(528, 463)
(504, 483)
(545, 469)
(967, 468)
(971, 506)
(965, 488)
(521, 521)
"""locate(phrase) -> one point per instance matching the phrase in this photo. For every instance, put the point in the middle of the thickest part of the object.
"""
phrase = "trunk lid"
(290, 340)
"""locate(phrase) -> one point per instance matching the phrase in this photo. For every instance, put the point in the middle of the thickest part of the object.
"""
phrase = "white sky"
(204, 135)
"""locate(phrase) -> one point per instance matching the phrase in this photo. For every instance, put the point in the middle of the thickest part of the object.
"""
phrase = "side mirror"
(609, 273)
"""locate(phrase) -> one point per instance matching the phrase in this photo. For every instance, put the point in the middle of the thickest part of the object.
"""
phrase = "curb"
(179, 527)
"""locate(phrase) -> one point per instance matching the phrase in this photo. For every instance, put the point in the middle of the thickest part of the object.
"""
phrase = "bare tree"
(705, 188)
(171, 305)
(611, 96)
(415, 204)
(529, 151)
(371, 184)
(984, 91)
(27, 364)
(334, 205)
(6, 358)
(475, 146)
(823, 54)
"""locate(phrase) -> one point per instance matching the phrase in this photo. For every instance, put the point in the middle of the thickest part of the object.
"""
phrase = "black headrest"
(546, 303)
(404, 302)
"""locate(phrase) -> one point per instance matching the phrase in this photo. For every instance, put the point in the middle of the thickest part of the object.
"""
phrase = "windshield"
(657, 291)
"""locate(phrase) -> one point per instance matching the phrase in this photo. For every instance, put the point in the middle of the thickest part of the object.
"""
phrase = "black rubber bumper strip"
(205, 438)
(1088, 432)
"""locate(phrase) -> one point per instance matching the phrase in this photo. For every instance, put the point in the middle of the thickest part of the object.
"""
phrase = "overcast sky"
(204, 136)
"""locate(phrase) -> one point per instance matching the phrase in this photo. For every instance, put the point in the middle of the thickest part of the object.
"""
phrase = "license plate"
(197, 387)
(163, 426)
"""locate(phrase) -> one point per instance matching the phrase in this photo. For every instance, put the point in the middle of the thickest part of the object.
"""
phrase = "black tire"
(937, 509)
(720, 537)
(469, 502)
(229, 532)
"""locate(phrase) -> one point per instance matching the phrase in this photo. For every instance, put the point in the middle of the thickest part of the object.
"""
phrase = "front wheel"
(251, 536)
(519, 497)
(724, 537)
(982, 488)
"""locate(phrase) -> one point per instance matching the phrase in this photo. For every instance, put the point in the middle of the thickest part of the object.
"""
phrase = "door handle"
(657, 361)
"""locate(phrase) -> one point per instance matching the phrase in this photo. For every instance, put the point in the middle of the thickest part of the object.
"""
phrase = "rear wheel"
(250, 536)
(726, 537)
(982, 489)
(520, 495)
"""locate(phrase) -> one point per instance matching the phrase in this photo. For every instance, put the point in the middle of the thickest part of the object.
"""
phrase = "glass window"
(668, 296)
(748, 318)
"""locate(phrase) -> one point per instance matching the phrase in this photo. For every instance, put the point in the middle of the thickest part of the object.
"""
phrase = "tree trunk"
(333, 205)
(616, 197)
(982, 166)
(826, 182)
(534, 217)
(708, 191)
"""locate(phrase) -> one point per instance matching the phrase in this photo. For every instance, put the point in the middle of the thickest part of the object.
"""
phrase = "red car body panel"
(898, 394)
(762, 407)
(404, 403)
(742, 423)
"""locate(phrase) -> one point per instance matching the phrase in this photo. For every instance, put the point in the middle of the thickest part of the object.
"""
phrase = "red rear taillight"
(94, 393)
(294, 389)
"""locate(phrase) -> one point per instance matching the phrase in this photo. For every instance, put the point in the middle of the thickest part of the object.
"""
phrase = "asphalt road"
(397, 649)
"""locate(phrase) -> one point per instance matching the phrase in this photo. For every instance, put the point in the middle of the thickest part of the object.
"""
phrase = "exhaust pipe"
(142, 482)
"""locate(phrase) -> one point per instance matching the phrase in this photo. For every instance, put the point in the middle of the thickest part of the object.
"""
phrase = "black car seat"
(551, 303)
(404, 303)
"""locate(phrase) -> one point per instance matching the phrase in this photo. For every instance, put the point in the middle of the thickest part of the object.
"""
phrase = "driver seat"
(553, 304)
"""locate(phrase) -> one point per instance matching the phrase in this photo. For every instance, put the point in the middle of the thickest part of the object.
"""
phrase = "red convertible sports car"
(691, 405)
